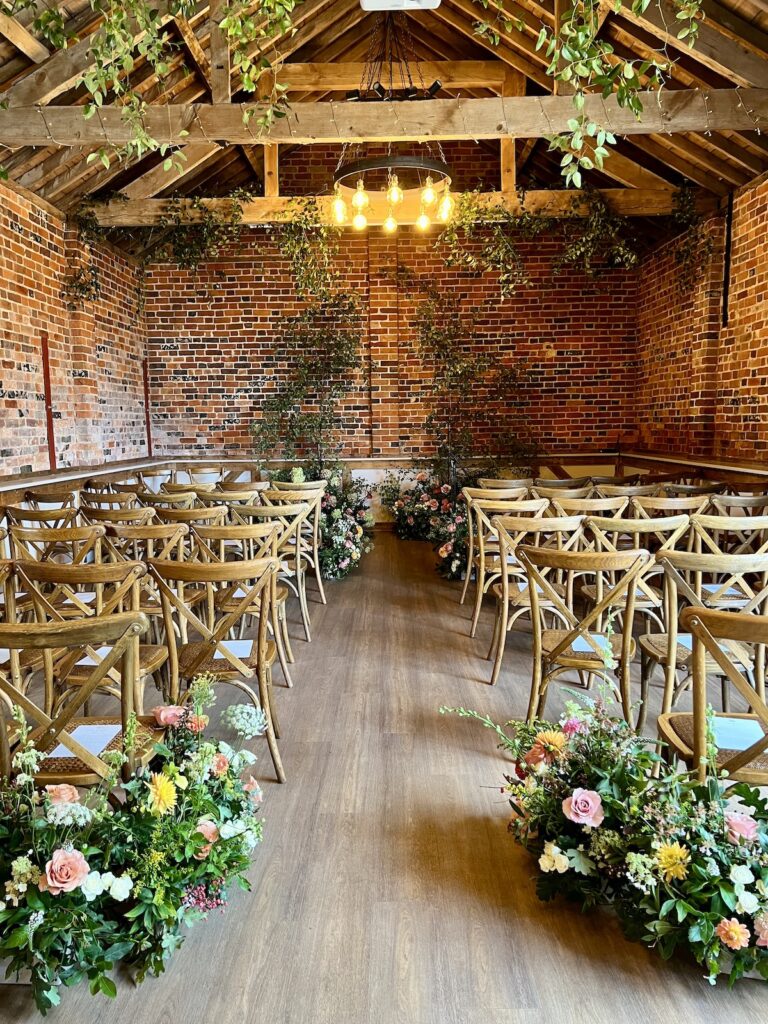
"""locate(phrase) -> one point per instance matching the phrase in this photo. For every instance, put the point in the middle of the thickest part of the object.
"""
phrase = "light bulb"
(390, 224)
(422, 221)
(428, 194)
(360, 198)
(394, 192)
(446, 207)
(339, 208)
(359, 221)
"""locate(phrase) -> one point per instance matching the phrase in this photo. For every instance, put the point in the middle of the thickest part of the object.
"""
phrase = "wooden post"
(221, 91)
(513, 85)
(48, 395)
(271, 180)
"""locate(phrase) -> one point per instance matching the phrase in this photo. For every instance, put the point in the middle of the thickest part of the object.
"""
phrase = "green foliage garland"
(310, 246)
(696, 244)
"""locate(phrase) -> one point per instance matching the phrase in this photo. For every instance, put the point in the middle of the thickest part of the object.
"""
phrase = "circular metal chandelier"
(400, 183)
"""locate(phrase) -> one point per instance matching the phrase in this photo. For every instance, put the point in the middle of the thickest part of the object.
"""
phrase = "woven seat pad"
(550, 638)
(642, 600)
(681, 723)
(230, 603)
(148, 733)
(151, 658)
(519, 595)
(220, 666)
(655, 646)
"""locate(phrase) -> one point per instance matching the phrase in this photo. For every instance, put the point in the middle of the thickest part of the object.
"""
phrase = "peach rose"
(220, 764)
(254, 790)
(209, 830)
(761, 929)
(169, 715)
(65, 871)
(732, 933)
(62, 794)
(584, 807)
(196, 723)
(741, 827)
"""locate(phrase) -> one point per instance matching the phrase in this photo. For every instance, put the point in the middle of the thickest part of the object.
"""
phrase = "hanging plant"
(310, 246)
(81, 286)
(189, 245)
(695, 245)
(603, 239)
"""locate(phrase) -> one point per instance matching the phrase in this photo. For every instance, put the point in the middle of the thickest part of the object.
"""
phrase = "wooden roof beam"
(22, 39)
(342, 76)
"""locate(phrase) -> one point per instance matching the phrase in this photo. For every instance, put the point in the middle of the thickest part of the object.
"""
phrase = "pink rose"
(220, 764)
(62, 794)
(209, 830)
(65, 871)
(254, 790)
(169, 715)
(760, 925)
(584, 807)
(572, 726)
(196, 723)
(434, 505)
(446, 488)
(741, 827)
(421, 477)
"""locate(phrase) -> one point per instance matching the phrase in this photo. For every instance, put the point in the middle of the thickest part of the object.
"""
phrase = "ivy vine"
(603, 239)
(310, 246)
(82, 285)
(694, 248)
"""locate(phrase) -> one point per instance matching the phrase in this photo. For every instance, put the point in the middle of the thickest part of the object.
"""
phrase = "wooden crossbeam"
(267, 210)
(197, 54)
(221, 79)
(158, 179)
(682, 110)
(338, 77)
(22, 39)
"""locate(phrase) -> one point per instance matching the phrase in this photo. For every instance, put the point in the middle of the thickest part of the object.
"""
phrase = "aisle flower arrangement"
(684, 865)
(86, 883)
(345, 520)
(423, 508)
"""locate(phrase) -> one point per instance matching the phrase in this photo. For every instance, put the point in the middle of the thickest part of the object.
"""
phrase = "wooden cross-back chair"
(75, 744)
(648, 506)
(470, 495)
(560, 506)
(204, 515)
(314, 492)
(734, 583)
(52, 498)
(56, 593)
(613, 481)
(167, 500)
(292, 556)
(245, 543)
(42, 518)
(244, 485)
(740, 504)
(74, 544)
(242, 494)
(683, 490)
(626, 490)
(578, 648)
(17, 665)
(201, 491)
(107, 500)
(483, 548)
(488, 483)
(118, 517)
(748, 487)
(734, 535)
(213, 650)
(511, 592)
(129, 487)
(562, 492)
(570, 483)
(741, 739)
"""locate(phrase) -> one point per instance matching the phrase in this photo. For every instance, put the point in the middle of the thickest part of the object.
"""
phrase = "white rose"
(741, 873)
(748, 903)
(93, 886)
(121, 888)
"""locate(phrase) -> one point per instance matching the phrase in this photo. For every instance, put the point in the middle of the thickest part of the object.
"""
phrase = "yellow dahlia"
(162, 793)
(673, 860)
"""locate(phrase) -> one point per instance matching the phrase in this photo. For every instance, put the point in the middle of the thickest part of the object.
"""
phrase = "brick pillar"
(384, 341)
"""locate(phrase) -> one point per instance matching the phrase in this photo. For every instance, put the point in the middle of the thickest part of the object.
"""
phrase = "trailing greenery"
(599, 240)
(322, 346)
(310, 246)
(81, 285)
(189, 245)
(696, 244)
(588, 64)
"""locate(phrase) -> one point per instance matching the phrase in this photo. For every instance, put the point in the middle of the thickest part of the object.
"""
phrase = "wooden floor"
(387, 889)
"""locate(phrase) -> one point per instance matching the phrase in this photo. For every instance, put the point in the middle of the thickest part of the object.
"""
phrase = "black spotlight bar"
(379, 94)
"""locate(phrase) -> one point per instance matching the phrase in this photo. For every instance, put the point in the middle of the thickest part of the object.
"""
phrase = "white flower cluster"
(96, 883)
(68, 814)
(553, 859)
(240, 827)
(246, 720)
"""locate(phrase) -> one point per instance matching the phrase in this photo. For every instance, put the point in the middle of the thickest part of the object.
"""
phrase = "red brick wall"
(95, 352)
(702, 386)
(212, 338)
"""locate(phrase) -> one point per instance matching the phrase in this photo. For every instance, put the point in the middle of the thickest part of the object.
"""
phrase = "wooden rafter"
(22, 39)
(341, 76)
(221, 75)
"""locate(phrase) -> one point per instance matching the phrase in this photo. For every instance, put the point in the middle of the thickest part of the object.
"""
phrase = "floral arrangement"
(425, 509)
(345, 517)
(86, 881)
(685, 865)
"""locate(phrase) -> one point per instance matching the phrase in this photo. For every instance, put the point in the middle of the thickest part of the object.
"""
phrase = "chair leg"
(273, 705)
(470, 561)
(286, 637)
(479, 594)
(725, 694)
(271, 736)
(502, 619)
(319, 577)
(302, 588)
(280, 644)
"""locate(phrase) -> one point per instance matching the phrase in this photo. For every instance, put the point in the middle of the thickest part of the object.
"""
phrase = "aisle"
(387, 890)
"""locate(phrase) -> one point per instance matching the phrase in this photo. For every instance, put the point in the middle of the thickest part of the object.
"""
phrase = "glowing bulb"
(446, 207)
(394, 192)
(339, 208)
(428, 195)
(360, 198)
(390, 224)
(359, 221)
(422, 221)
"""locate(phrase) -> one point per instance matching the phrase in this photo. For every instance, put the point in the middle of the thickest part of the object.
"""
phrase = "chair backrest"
(241, 495)
(487, 483)
(105, 499)
(562, 533)
(614, 481)
(708, 580)
(569, 484)
(587, 506)
(748, 487)
(494, 493)
(626, 490)
(123, 516)
(119, 633)
(132, 487)
(207, 514)
(73, 543)
(713, 635)
(41, 517)
(289, 518)
(735, 535)
(140, 543)
(52, 498)
(482, 512)
(647, 506)
(573, 493)
(220, 543)
(740, 504)
(56, 588)
(163, 500)
(683, 490)
(304, 485)
(244, 485)
(249, 582)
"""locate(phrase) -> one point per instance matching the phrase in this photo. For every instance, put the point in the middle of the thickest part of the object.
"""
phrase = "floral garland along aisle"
(85, 884)
(684, 865)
